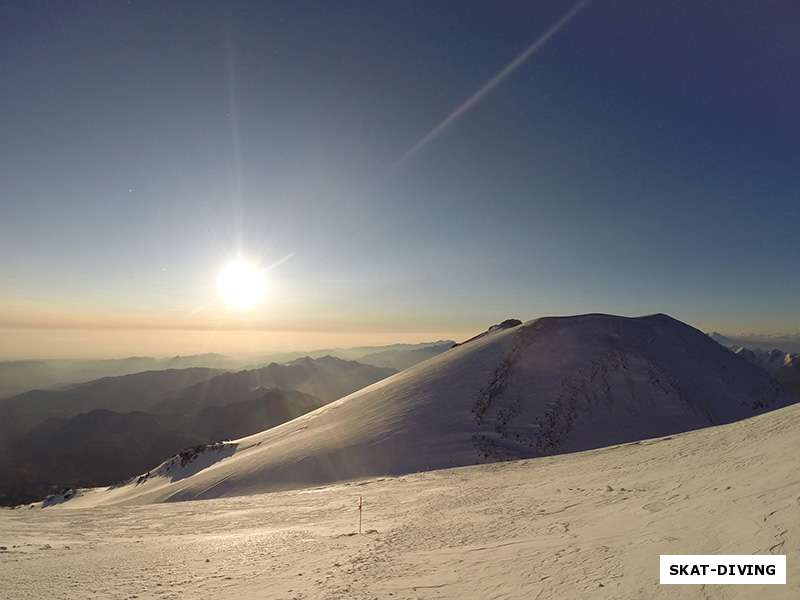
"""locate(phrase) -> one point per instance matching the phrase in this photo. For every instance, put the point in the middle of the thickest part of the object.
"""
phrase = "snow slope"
(582, 525)
(553, 385)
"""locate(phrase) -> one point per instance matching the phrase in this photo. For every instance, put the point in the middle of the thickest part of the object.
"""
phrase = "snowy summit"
(549, 386)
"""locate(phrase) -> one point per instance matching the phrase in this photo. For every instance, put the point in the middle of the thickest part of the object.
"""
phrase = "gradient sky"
(646, 159)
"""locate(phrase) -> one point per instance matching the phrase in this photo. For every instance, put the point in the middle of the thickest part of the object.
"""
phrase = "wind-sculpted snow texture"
(552, 385)
(581, 525)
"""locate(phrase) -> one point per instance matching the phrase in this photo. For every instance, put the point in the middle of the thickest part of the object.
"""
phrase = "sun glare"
(241, 285)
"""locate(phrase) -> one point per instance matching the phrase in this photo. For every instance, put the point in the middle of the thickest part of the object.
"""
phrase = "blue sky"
(645, 160)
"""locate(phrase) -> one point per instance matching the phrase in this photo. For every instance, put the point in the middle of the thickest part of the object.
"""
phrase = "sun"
(241, 285)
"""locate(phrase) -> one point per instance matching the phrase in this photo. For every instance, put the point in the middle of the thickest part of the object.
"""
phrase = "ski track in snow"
(590, 524)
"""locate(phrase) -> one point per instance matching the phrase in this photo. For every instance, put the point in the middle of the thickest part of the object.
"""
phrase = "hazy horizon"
(100, 343)
(40, 344)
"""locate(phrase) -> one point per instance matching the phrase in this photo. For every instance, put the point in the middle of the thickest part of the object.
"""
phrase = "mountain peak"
(548, 386)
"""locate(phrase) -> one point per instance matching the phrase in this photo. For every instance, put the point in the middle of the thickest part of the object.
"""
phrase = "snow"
(588, 524)
(587, 521)
(549, 386)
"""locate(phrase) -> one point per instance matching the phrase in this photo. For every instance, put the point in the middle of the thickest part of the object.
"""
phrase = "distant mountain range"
(783, 366)
(24, 375)
(104, 431)
(125, 393)
(360, 353)
(787, 343)
(403, 358)
(326, 378)
(552, 385)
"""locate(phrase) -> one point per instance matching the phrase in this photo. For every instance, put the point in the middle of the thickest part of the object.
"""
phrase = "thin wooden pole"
(360, 504)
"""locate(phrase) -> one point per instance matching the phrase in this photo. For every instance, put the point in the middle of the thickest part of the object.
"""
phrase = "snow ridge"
(553, 385)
